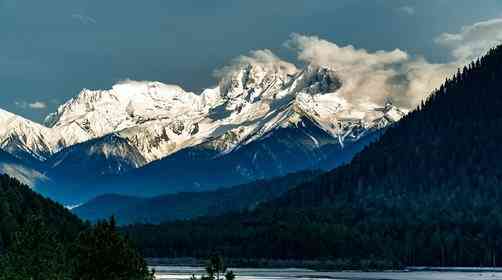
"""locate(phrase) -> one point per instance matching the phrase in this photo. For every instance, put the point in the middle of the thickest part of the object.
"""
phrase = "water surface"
(172, 272)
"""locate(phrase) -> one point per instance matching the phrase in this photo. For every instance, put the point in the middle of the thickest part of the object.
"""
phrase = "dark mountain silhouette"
(129, 210)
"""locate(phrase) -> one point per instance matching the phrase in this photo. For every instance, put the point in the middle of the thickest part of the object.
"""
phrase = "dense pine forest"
(428, 193)
(18, 203)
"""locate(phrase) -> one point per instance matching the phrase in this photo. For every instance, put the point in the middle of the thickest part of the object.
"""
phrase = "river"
(177, 272)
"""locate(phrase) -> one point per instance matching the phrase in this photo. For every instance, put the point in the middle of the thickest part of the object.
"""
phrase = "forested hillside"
(18, 203)
(40, 239)
(428, 193)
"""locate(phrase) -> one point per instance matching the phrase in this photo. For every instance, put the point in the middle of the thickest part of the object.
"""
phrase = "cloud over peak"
(265, 59)
(473, 40)
(373, 76)
(319, 52)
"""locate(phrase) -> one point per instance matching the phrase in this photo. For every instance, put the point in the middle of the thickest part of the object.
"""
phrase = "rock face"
(262, 120)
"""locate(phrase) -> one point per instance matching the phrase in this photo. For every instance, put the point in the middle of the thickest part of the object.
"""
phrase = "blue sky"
(51, 49)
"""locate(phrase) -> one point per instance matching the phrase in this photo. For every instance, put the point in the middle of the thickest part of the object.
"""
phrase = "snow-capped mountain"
(93, 114)
(159, 120)
(109, 155)
(25, 139)
(261, 120)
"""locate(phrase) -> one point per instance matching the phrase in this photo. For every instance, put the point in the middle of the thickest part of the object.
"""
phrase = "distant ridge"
(182, 206)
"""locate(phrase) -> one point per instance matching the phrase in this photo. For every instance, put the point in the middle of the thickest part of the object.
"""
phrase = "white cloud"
(373, 76)
(407, 10)
(84, 19)
(264, 58)
(314, 50)
(473, 40)
(37, 105)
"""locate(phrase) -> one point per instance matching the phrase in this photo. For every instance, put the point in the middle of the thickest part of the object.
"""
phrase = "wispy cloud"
(84, 19)
(373, 76)
(407, 10)
(473, 40)
(37, 105)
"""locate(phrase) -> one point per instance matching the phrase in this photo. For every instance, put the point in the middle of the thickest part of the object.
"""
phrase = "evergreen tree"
(215, 269)
(35, 254)
(230, 275)
(102, 253)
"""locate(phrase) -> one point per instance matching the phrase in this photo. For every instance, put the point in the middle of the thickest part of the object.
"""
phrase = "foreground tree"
(34, 254)
(38, 241)
(229, 275)
(102, 253)
(215, 269)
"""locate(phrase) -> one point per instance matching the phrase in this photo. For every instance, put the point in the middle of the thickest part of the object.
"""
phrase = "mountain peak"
(319, 80)
(253, 82)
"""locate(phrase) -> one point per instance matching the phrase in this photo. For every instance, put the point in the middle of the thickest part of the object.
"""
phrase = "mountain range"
(149, 138)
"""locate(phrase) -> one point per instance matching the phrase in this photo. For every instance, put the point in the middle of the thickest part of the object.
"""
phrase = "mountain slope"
(152, 116)
(107, 155)
(129, 210)
(23, 138)
(105, 206)
(28, 174)
(294, 148)
(427, 193)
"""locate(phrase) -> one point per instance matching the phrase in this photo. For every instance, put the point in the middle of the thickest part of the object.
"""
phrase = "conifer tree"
(102, 253)
(34, 254)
